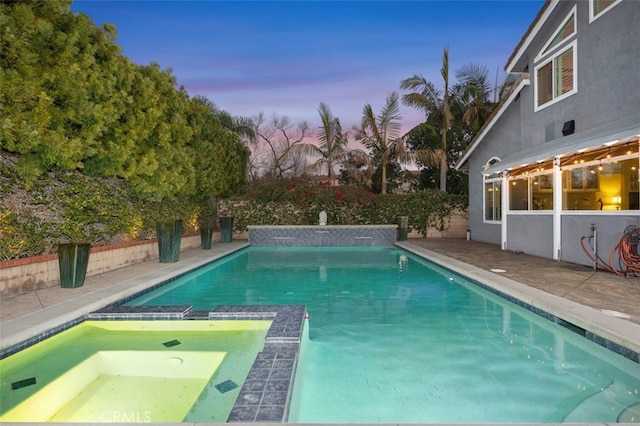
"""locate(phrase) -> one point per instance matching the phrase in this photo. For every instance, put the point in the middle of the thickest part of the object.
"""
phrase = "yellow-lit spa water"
(132, 371)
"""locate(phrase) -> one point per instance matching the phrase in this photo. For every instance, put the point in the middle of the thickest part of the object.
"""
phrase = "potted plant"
(226, 224)
(169, 233)
(206, 223)
(73, 253)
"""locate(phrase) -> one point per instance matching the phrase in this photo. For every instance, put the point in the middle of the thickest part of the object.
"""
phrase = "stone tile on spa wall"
(322, 236)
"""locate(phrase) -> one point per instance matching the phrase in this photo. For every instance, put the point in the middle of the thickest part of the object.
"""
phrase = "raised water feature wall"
(323, 235)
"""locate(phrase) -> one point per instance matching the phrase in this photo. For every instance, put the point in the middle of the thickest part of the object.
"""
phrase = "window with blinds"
(556, 77)
(555, 69)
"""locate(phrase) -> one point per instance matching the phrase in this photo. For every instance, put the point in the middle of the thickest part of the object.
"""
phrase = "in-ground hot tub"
(132, 371)
(322, 235)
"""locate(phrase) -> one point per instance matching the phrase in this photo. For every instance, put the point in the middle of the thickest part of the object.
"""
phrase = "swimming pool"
(132, 371)
(396, 339)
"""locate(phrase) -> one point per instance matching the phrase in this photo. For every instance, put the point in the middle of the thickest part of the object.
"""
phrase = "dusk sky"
(286, 57)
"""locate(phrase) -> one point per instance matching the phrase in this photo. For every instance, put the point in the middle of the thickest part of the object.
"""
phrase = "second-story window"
(556, 78)
(598, 7)
(555, 69)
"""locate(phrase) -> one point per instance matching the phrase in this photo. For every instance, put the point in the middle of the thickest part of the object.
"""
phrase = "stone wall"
(458, 226)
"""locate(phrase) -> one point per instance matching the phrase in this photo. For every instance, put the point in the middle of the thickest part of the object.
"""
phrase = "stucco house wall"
(506, 139)
(608, 72)
(607, 69)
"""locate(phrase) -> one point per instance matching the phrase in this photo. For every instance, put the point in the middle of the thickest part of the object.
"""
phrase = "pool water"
(396, 339)
(131, 371)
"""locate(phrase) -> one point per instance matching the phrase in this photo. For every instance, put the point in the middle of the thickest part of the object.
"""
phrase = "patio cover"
(622, 130)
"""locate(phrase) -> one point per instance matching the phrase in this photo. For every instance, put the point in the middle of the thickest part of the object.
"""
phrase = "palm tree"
(381, 135)
(475, 95)
(437, 104)
(332, 148)
(332, 141)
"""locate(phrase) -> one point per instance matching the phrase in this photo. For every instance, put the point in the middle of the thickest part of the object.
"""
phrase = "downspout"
(557, 210)
(505, 204)
(594, 236)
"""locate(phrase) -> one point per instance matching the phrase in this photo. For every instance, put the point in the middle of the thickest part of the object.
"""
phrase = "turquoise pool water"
(396, 339)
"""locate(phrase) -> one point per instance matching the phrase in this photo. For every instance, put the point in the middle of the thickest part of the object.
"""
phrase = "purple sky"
(286, 57)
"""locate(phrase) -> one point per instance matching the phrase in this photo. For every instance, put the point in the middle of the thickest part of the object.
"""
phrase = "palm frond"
(429, 157)
(390, 117)
(444, 71)
(476, 77)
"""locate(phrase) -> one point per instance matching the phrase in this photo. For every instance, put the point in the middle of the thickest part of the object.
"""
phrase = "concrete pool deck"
(595, 300)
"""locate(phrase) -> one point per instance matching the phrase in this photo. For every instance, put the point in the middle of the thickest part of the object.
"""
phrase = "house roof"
(513, 65)
(622, 130)
(522, 81)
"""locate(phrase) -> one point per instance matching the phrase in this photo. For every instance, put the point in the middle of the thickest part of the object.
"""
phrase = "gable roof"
(527, 38)
(523, 81)
(520, 83)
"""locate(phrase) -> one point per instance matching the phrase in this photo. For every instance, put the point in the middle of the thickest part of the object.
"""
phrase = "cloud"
(287, 57)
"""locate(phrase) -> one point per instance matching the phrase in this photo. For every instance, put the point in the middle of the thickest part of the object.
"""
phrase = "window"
(556, 78)
(519, 194)
(555, 70)
(542, 192)
(608, 184)
(599, 7)
(531, 192)
(531, 187)
(492, 198)
(566, 30)
(601, 178)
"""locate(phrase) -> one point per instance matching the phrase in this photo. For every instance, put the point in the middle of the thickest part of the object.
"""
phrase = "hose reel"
(626, 249)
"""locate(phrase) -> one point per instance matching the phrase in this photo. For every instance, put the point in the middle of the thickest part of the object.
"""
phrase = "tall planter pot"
(169, 236)
(206, 234)
(403, 228)
(72, 261)
(226, 229)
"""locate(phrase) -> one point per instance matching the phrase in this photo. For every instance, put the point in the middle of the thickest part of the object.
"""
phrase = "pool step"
(622, 403)
(631, 414)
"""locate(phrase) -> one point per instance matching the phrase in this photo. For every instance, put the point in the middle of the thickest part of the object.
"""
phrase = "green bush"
(299, 201)
(69, 206)
(72, 207)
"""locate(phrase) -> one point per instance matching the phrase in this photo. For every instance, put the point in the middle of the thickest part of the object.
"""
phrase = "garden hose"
(626, 249)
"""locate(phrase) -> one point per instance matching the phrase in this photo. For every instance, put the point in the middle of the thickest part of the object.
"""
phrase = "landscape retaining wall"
(24, 275)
